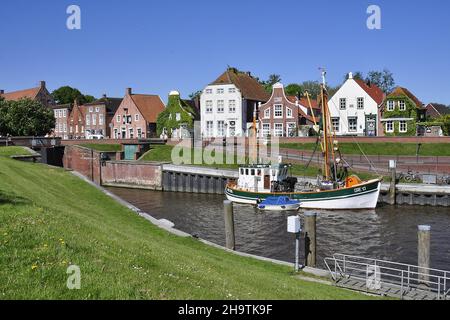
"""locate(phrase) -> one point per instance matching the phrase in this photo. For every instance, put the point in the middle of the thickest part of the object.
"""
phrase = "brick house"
(400, 113)
(436, 110)
(284, 116)
(227, 104)
(75, 122)
(40, 94)
(136, 116)
(99, 115)
(62, 113)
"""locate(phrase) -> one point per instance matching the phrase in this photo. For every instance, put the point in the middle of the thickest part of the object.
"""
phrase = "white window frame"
(208, 91)
(360, 103)
(118, 118)
(402, 105)
(231, 90)
(265, 129)
(289, 126)
(209, 128)
(391, 105)
(220, 91)
(91, 109)
(100, 119)
(280, 110)
(136, 117)
(231, 106)
(267, 113)
(131, 133)
(356, 124)
(94, 119)
(209, 106)
(64, 113)
(391, 125)
(289, 113)
(221, 128)
(97, 109)
(342, 103)
(333, 124)
(220, 106)
(88, 120)
(278, 132)
(400, 126)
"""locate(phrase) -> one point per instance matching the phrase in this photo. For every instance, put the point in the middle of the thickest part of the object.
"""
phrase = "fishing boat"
(279, 204)
(335, 188)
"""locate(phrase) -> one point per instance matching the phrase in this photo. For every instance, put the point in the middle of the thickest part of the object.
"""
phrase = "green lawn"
(102, 147)
(50, 219)
(388, 149)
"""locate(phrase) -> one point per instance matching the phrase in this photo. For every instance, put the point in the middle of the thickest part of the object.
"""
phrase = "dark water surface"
(385, 233)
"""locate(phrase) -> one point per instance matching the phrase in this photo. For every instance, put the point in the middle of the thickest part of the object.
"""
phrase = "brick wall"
(132, 174)
(84, 161)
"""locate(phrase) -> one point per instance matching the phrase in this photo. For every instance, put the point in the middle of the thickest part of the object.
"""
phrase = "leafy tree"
(268, 84)
(68, 94)
(293, 89)
(25, 117)
(383, 79)
(313, 88)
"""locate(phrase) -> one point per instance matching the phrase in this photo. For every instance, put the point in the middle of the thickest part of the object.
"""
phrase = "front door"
(371, 126)
(266, 182)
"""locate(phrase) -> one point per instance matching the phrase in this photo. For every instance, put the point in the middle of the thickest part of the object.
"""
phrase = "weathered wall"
(83, 160)
(132, 174)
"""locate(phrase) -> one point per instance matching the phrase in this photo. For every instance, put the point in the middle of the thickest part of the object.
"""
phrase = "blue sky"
(158, 46)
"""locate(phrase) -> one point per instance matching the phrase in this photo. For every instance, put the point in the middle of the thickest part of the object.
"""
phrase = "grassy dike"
(49, 219)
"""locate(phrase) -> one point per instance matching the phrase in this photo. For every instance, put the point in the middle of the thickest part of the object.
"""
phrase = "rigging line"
(372, 167)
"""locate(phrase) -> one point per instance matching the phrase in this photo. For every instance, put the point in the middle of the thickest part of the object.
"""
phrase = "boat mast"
(253, 140)
(325, 127)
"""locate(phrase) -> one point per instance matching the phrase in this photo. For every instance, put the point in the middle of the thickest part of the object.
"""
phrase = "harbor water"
(389, 232)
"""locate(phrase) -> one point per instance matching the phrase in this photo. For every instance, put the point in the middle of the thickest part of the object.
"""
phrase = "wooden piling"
(310, 239)
(423, 250)
(229, 224)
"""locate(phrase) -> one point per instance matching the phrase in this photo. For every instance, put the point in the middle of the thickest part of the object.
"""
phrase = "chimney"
(128, 92)
(42, 84)
(350, 75)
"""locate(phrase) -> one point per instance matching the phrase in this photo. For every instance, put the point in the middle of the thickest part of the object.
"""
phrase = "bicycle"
(409, 177)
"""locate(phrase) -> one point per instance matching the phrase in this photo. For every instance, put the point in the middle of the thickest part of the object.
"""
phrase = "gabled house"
(401, 111)
(75, 122)
(227, 104)
(436, 110)
(354, 108)
(99, 114)
(62, 114)
(39, 94)
(136, 116)
(283, 116)
(177, 120)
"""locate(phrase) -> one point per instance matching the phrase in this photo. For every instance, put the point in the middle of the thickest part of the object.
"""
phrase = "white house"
(228, 103)
(354, 108)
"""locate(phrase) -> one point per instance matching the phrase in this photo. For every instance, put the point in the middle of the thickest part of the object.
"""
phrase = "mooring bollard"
(294, 227)
(229, 224)
(310, 239)
(392, 188)
(423, 250)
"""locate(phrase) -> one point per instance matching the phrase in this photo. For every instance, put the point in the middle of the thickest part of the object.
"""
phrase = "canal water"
(385, 233)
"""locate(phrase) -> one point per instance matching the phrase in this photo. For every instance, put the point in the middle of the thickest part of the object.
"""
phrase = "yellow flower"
(33, 267)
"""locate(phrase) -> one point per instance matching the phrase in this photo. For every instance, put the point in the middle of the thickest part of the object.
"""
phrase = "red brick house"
(283, 116)
(40, 94)
(76, 122)
(136, 116)
(99, 114)
(436, 110)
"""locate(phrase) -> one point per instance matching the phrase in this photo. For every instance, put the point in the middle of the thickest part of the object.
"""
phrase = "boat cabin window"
(259, 172)
(246, 172)
(253, 172)
(242, 171)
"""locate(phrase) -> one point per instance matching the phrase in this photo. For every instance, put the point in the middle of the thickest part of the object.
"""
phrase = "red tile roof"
(17, 95)
(372, 90)
(250, 88)
(150, 106)
(400, 91)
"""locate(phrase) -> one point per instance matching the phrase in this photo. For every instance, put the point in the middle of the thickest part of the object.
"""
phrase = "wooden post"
(229, 224)
(392, 188)
(310, 239)
(423, 251)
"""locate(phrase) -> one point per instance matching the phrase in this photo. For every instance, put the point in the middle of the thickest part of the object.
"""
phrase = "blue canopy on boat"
(279, 201)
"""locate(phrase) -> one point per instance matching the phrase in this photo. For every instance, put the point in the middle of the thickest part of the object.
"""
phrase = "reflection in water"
(387, 233)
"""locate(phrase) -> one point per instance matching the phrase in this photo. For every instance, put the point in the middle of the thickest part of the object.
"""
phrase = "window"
(91, 109)
(231, 90)
(76, 128)
(221, 128)
(208, 91)
(278, 111)
(94, 119)
(335, 124)
(88, 120)
(402, 105)
(131, 131)
(360, 103)
(266, 129)
(71, 129)
(220, 91)
(56, 113)
(209, 106)
(403, 126)
(64, 113)
(352, 124)
(65, 127)
(209, 128)
(289, 112)
(343, 103)
(97, 109)
(232, 106)
(278, 132)
(220, 106)
(267, 113)
(291, 129)
(139, 133)
(391, 105)
(389, 126)
(100, 119)
(178, 116)
(136, 117)
(116, 134)
(118, 119)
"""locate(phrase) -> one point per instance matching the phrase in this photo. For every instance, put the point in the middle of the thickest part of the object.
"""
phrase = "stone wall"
(143, 175)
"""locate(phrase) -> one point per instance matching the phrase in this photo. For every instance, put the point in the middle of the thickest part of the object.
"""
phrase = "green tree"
(383, 79)
(68, 94)
(25, 117)
(268, 84)
(293, 89)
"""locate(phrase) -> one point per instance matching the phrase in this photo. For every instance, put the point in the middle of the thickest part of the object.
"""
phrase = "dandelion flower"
(34, 267)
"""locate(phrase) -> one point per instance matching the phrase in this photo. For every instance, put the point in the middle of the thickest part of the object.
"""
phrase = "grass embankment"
(163, 154)
(382, 149)
(50, 219)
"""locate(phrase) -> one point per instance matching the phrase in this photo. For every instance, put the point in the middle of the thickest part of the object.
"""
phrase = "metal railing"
(378, 274)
